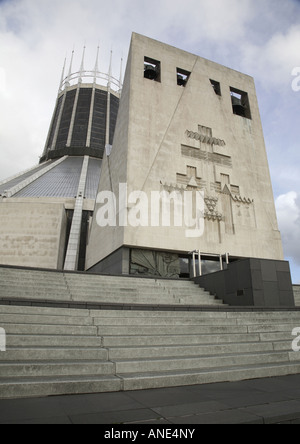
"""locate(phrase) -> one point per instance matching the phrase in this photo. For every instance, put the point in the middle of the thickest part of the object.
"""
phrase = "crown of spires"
(94, 74)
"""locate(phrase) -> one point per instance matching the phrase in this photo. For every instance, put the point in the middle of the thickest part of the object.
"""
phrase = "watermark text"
(178, 208)
(296, 341)
(2, 340)
(296, 81)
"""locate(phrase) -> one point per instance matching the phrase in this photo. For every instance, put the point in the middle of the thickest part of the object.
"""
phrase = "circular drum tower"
(45, 211)
(85, 114)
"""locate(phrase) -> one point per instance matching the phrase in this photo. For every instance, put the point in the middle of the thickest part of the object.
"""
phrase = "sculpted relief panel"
(223, 201)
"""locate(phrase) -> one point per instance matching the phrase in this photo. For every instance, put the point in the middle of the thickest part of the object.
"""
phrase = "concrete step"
(36, 296)
(155, 293)
(63, 351)
(268, 314)
(49, 320)
(62, 385)
(172, 330)
(23, 274)
(24, 387)
(117, 353)
(112, 297)
(105, 295)
(269, 328)
(79, 287)
(207, 314)
(188, 363)
(39, 329)
(31, 286)
(205, 328)
(79, 279)
(152, 380)
(53, 354)
(33, 281)
(277, 336)
(51, 368)
(138, 300)
(282, 345)
(164, 313)
(47, 311)
(134, 321)
(197, 339)
(138, 286)
(178, 340)
(41, 341)
(192, 320)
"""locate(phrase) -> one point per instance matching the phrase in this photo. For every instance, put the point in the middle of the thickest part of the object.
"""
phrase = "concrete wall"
(104, 241)
(252, 282)
(32, 234)
(115, 264)
(296, 289)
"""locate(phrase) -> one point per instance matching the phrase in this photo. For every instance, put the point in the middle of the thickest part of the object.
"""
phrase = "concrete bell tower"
(184, 124)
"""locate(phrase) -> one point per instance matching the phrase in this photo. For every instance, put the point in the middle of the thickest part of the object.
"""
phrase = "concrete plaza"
(260, 401)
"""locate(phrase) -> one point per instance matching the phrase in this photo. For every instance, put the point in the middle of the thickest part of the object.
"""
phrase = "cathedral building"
(161, 176)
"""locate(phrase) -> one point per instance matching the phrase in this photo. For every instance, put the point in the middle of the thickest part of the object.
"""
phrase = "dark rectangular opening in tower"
(152, 69)
(240, 103)
(182, 77)
(216, 87)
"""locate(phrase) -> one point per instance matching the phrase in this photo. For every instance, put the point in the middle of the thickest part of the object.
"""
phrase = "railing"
(100, 77)
(196, 254)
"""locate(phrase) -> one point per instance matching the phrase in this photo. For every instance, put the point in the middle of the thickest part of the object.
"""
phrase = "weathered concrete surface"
(171, 138)
(32, 234)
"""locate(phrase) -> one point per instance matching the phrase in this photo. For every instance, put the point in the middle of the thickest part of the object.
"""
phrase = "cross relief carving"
(191, 180)
(223, 200)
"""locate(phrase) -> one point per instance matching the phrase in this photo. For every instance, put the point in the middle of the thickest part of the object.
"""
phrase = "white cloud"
(197, 21)
(288, 213)
(35, 36)
(259, 38)
(273, 60)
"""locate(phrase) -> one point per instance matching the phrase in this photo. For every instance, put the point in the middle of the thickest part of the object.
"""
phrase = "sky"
(260, 38)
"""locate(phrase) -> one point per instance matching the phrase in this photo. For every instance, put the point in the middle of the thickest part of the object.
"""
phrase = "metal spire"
(110, 70)
(81, 69)
(121, 73)
(96, 68)
(62, 76)
(70, 69)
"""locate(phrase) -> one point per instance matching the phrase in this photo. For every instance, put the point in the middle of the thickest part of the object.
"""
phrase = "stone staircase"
(94, 290)
(56, 351)
(71, 333)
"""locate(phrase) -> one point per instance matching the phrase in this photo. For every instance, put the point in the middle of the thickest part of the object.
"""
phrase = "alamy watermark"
(296, 341)
(2, 340)
(296, 81)
(178, 208)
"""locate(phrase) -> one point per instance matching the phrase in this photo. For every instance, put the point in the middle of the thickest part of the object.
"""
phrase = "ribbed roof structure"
(83, 123)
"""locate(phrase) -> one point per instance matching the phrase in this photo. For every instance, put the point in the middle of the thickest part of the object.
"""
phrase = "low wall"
(252, 282)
